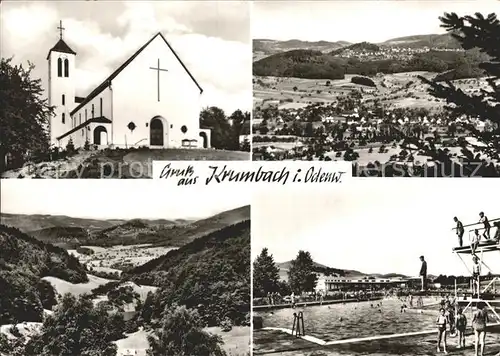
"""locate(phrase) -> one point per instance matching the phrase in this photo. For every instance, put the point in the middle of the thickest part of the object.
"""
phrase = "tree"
(121, 296)
(225, 130)
(24, 115)
(309, 131)
(483, 33)
(75, 328)
(301, 276)
(265, 274)
(47, 294)
(70, 147)
(215, 119)
(181, 334)
(147, 309)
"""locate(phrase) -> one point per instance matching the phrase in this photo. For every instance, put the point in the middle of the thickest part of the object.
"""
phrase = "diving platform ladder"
(491, 245)
(298, 324)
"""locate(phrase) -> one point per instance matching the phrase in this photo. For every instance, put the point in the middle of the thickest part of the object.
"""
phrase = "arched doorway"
(156, 132)
(203, 135)
(100, 135)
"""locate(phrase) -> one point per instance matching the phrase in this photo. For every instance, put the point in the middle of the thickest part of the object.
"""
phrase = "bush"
(363, 81)
(15, 331)
(258, 322)
(226, 325)
(70, 147)
(85, 251)
(181, 333)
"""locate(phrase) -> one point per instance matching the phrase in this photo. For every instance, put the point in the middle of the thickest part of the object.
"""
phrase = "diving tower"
(486, 247)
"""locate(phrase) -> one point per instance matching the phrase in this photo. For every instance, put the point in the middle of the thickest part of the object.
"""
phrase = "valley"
(132, 282)
(374, 105)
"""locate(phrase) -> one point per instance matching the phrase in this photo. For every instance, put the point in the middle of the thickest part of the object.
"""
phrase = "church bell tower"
(61, 59)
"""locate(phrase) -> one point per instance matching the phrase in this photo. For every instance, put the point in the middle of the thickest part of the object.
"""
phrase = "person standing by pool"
(461, 324)
(423, 272)
(479, 322)
(442, 322)
(460, 231)
(476, 273)
(487, 227)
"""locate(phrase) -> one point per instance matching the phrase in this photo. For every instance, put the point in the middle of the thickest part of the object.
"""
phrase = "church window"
(184, 129)
(66, 68)
(59, 67)
(131, 126)
(63, 118)
(92, 110)
(100, 102)
(82, 132)
(64, 99)
(80, 118)
(85, 114)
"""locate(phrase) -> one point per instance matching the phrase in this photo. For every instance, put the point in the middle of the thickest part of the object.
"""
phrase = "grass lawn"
(236, 341)
(120, 163)
(62, 287)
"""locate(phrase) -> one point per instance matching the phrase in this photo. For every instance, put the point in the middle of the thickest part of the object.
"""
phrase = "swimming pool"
(354, 320)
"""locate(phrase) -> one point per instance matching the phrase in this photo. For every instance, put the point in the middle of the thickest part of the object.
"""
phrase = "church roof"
(99, 120)
(62, 47)
(107, 82)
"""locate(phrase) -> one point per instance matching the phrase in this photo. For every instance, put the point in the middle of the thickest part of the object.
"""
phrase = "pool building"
(337, 284)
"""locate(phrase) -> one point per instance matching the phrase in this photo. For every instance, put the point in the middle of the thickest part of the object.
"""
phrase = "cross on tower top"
(61, 29)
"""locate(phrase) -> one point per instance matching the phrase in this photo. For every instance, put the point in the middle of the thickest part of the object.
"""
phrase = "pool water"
(354, 320)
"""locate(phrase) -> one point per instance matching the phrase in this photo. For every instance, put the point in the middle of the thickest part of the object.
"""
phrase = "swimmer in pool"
(441, 322)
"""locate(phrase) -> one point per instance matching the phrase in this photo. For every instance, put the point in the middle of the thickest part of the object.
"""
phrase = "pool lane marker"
(317, 341)
(309, 338)
(391, 336)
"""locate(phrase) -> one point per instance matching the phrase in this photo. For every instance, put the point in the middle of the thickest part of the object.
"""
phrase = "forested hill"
(361, 47)
(312, 64)
(444, 40)
(160, 232)
(211, 273)
(266, 47)
(23, 261)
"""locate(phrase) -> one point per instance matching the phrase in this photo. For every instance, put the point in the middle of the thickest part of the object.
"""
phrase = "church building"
(150, 100)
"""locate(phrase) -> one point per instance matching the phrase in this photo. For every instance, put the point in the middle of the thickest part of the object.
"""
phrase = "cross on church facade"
(61, 29)
(158, 69)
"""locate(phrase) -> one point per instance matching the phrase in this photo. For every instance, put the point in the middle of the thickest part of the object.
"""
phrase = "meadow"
(397, 90)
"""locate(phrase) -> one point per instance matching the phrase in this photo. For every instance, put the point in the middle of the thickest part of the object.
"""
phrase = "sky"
(357, 21)
(375, 225)
(212, 39)
(118, 198)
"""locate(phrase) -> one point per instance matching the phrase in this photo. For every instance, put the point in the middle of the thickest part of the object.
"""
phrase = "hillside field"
(394, 90)
(113, 259)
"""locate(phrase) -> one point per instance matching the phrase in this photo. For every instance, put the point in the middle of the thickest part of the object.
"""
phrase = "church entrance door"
(156, 132)
(100, 136)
